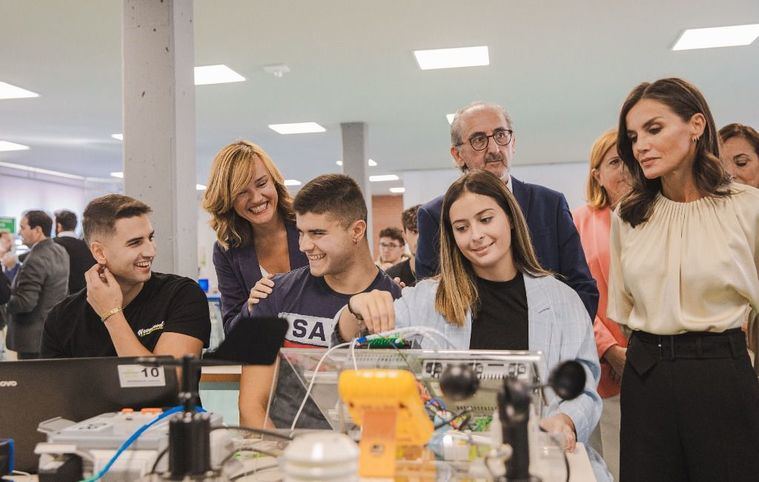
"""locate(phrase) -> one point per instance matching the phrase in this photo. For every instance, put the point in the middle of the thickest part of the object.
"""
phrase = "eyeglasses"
(479, 142)
(389, 245)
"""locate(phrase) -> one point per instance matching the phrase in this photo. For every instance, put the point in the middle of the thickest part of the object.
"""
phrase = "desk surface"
(579, 464)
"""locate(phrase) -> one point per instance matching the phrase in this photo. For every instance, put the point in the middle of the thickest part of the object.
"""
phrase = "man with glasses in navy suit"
(482, 137)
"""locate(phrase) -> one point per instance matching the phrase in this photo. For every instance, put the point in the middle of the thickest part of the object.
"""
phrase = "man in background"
(41, 283)
(405, 271)
(8, 259)
(80, 258)
(391, 246)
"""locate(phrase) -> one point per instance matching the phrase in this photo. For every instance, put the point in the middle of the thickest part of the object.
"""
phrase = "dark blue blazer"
(553, 233)
(237, 270)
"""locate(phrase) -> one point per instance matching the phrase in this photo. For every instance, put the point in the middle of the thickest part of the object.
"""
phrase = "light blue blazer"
(559, 327)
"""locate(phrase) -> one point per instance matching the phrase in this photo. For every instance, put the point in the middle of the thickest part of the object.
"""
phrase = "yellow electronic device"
(387, 405)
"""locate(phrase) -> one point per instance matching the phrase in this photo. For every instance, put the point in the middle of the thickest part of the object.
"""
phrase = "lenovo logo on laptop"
(8, 383)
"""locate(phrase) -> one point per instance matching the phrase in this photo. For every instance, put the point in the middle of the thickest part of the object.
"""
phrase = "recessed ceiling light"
(8, 91)
(372, 163)
(216, 74)
(383, 178)
(297, 128)
(12, 146)
(452, 58)
(118, 137)
(339, 163)
(118, 174)
(450, 118)
(707, 38)
(200, 187)
(37, 170)
(292, 182)
(397, 190)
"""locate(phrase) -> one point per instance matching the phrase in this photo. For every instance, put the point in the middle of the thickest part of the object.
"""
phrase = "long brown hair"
(457, 291)
(685, 100)
(231, 172)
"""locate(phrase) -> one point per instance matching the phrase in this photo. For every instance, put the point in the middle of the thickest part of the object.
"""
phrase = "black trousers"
(690, 409)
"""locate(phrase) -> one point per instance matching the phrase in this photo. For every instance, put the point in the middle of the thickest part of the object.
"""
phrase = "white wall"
(21, 191)
(568, 178)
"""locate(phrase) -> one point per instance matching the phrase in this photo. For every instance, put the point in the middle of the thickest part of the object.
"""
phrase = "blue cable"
(131, 440)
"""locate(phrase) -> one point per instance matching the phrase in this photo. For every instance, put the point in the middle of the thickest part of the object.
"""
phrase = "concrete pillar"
(159, 125)
(354, 135)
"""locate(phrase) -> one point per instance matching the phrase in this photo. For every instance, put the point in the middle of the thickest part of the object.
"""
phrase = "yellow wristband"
(110, 314)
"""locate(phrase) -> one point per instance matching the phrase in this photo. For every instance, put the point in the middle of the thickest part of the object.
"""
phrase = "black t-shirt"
(501, 322)
(403, 271)
(166, 303)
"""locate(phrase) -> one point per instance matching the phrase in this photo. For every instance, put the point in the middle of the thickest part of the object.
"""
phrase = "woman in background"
(740, 153)
(608, 181)
(683, 277)
(251, 212)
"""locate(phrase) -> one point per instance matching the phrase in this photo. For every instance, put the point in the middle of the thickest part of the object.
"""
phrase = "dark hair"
(66, 219)
(740, 130)
(408, 218)
(35, 218)
(101, 213)
(393, 233)
(685, 100)
(335, 194)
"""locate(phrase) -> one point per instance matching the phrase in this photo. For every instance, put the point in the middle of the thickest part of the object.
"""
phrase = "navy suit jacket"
(237, 270)
(553, 233)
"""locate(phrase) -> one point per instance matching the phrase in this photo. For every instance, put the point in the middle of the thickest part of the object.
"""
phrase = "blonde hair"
(596, 195)
(457, 291)
(231, 172)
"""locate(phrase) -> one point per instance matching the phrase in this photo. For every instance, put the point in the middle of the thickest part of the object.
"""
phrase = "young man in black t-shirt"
(126, 310)
(330, 214)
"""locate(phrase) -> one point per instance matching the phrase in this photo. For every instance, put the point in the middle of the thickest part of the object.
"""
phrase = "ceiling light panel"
(9, 91)
(38, 170)
(383, 178)
(713, 37)
(118, 174)
(118, 137)
(12, 146)
(297, 128)
(292, 182)
(397, 190)
(216, 74)
(452, 58)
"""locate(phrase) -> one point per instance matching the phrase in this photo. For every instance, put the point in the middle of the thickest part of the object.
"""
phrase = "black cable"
(561, 447)
(257, 431)
(157, 460)
(453, 418)
(230, 427)
(254, 471)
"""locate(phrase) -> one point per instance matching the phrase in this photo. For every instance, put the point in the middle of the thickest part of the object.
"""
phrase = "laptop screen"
(32, 391)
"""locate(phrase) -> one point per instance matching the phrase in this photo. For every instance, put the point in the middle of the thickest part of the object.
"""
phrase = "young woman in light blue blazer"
(492, 293)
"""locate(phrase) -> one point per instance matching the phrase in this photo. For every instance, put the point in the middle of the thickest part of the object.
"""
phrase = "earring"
(355, 240)
(695, 139)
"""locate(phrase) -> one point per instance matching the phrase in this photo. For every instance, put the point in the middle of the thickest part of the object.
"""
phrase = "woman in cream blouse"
(683, 278)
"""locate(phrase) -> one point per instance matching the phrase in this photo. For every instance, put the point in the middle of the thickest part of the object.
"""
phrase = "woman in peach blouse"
(607, 183)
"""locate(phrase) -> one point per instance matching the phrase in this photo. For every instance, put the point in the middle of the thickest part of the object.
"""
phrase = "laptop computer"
(32, 391)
